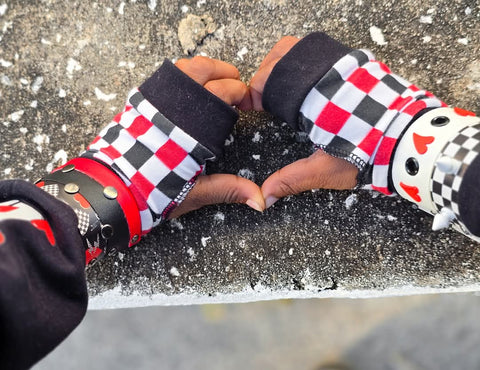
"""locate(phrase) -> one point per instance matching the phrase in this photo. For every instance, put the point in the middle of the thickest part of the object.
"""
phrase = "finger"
(203, 69)
(281, 48)
(232, 92)
(319, 171)
(257, 84)
(221, 188)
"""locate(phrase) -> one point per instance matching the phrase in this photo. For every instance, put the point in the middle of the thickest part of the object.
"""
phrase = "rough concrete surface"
(65, 67)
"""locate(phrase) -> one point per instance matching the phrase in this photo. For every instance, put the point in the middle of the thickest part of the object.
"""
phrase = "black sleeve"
(43, 293)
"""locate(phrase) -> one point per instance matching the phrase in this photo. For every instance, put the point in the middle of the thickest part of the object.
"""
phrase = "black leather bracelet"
(107, 226)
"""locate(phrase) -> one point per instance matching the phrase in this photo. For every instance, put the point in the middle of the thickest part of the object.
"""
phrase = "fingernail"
(270, 201)
(254, 205)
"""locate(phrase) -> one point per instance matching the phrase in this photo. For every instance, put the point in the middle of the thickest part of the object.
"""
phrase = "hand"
(223, 80)
(257, 83)
(320, 170)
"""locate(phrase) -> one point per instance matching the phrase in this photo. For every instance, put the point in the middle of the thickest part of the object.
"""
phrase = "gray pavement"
(439, 332)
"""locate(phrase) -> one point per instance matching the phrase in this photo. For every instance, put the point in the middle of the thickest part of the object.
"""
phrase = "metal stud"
(107, 231)
(110, 192)
(68, 168)
(71, 188)
(134, 239)
(448, 165)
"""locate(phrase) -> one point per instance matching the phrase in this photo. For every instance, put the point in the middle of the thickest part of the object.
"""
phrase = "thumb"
(319, 171)
(221, 188)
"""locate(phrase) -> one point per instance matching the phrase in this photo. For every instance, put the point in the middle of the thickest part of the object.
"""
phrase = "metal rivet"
(411, 166)
(107, 231)
(440, 121)
(110, 192)
(71, 188)
(134, 239)
(68, 168)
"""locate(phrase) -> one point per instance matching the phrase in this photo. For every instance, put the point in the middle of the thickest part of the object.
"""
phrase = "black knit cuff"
(469, 201)
(297, 72)
(202, 115)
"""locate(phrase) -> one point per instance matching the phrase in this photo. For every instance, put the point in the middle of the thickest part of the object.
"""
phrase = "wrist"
(192, 108)
(297, 72)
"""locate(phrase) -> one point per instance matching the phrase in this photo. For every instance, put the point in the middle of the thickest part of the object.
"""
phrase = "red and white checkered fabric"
(358, 110)
(158, 161)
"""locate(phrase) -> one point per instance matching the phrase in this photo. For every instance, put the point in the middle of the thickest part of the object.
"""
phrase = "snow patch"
(351, 200)
(204, 240)
(72, 66)
(242, 52)
(377, 36)
(246, 173)
(174, 271)
(15, 116)
(3, 9)
(152, 4)
(426, 19)
(257, 137)
(102, 96)
(37, 84)
(5, 63)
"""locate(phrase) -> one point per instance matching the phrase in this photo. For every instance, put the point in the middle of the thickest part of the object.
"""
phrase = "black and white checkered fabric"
(157, 160)
(52, 189)
(465, 147)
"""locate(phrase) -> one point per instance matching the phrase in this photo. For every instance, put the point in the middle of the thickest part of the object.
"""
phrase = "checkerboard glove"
(355, 110)
(154, 144)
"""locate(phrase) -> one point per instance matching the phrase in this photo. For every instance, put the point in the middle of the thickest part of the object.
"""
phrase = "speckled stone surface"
(65, 67)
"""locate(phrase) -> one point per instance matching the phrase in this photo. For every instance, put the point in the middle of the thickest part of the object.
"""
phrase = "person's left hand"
(223, 80)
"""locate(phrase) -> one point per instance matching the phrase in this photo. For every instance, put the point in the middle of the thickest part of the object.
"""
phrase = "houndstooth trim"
(83, 221)
(52, 189)
(155, 158)
(358, 110)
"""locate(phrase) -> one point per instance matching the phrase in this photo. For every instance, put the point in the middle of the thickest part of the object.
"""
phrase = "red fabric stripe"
(383, 190)
(7, 208)
(45, 227)
(385, 150)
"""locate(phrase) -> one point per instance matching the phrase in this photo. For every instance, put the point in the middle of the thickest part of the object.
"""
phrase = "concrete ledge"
(63, 62)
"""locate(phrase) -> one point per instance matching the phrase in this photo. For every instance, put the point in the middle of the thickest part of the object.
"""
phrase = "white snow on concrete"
(351, 200)
(72, 66)
(377, 36)
(152, 4)
(37, 84)
(204, 240)
(16, 116)
(5, 63)
(426, 19)
(102, 96)
(3, 9)
(257, 137)
(242, 52)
